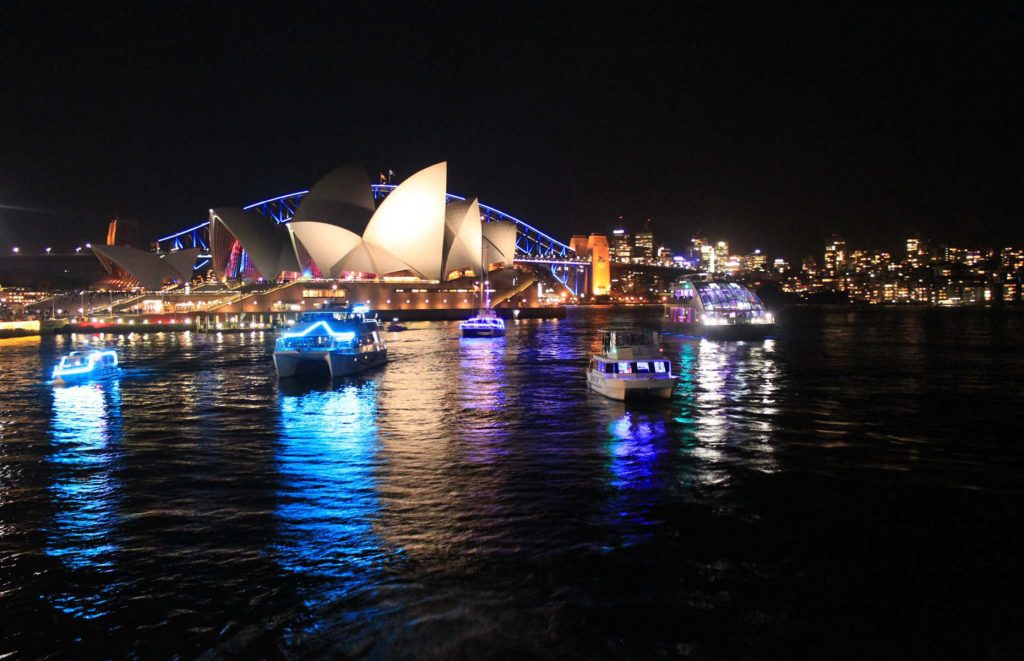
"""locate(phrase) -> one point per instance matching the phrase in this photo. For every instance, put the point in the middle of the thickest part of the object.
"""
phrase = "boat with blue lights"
(344, 342)
(485, 324)
(86, 365)
(717, 310)
(631, 364)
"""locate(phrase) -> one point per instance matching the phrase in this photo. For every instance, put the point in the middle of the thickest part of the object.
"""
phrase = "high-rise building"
(707, 257)
(695, 252)
(721, 256)
(918, 252)
(621, 249)
(835, 256)
(643, 243)
(755, 261)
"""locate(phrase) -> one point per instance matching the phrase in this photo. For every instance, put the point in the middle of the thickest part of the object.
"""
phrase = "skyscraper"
(621, 249)
(644, 243)
(721, 256)
(835, 256)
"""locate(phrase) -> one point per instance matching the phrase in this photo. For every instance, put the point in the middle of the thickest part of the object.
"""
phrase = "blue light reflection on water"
(85, 448)
(328, 499)
(637, 441)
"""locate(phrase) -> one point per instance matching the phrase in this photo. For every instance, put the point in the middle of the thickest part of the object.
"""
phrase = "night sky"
(770, 126)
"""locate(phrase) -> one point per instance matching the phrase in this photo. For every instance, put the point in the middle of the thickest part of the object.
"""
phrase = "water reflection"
(637, 442)
(726, 398)
(482, 398)
(328, 501)
(85, 435)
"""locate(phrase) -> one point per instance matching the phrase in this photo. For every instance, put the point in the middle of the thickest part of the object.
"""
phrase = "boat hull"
(726, 332)
(86, 377)
(659, 387)
(482, 332)
(337, 364)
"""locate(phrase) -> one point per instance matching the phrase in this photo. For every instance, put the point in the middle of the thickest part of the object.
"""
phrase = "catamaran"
(342, 341)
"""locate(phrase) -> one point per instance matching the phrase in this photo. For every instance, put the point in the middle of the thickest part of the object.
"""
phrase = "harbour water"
(853, 486)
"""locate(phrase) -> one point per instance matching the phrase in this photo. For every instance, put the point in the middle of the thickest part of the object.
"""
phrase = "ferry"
(485, 324)
(343, 341)
(717, 310)
(631, 364)
(86, 365)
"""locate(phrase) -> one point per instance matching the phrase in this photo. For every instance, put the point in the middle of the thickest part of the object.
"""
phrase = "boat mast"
(485, 292)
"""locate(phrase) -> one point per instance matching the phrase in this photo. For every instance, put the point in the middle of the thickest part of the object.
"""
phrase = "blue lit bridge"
(532, 245)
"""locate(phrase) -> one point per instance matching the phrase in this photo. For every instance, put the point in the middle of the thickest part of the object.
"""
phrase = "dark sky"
(772, 125)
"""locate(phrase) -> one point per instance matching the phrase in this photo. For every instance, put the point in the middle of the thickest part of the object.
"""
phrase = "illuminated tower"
(597, 248)
(124, 232)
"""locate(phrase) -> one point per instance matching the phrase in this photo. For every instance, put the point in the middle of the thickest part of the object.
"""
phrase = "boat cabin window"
(659, 366)
(643, 366)
(624, 368)
(682, 315)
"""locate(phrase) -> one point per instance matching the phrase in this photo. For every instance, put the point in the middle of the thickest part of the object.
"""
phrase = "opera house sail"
(146, 269)
(413, 232)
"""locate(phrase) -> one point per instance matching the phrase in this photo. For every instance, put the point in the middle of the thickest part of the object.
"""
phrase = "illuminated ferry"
(485, 324)
(86, 365)
(344, 342)
(717, 310)
(631, 364)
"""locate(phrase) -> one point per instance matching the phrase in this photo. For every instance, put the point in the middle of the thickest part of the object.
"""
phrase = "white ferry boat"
(86, 365)
(342, 341)
(717, 310)
(631, 363)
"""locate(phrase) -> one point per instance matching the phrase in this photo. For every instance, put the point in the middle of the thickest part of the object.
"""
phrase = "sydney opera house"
(414, 249)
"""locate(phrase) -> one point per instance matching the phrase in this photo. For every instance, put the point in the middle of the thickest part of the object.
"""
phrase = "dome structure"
(406, 234)
(148, 269)
(499, 243)
(267, 244)
(343, 198)
(462, 238)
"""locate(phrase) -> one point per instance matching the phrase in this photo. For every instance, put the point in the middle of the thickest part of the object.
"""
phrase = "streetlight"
(78, 249)
(48, 249)
(15, 250)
